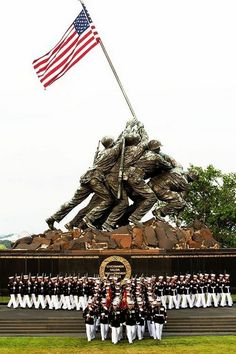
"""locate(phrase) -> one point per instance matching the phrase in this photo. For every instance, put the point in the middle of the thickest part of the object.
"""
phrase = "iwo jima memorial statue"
(131, 177)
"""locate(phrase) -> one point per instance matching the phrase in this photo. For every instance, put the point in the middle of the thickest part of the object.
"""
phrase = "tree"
(212, 199)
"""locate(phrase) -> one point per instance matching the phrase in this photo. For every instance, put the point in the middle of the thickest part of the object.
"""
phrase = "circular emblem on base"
(115, 266)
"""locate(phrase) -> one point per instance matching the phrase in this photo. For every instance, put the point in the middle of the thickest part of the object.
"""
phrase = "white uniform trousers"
(13, 301)
(201, 300)
(150, 328)
(61, 301)
(173, 302)
(121, 332)
(170, 302)
(164, 300)
(66, 303)
(194, 299)
(81, 303)
(186, 301)
(94, 327)
(153, 329)
(158, 330)
(90, 332)
(218, 297)
(48, 300)
(131, 333)
(97, 323)
(189, 300)
(34, 300)
(116, 334)
(55, 302)
(140, 331)
(210, 297)
(87, 299)
(72, 302)
(104, 330)
(20, 300)
(226, 297)
(178, 297)
(26, 301)
(76, 301)
(40, 301)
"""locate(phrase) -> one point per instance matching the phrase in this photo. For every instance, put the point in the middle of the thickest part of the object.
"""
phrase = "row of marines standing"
(73, 292)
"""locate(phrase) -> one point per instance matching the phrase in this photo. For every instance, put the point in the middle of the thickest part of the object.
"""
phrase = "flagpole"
(113, 70)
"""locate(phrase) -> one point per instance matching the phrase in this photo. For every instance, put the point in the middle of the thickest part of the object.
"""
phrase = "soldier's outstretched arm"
(128, 130)
(143, 135)
(171, 160)
(132, 127)
(166, 165)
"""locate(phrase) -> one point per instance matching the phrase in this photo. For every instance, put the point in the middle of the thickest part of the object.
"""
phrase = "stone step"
(185, 324)
(74, 326)
(191, 323)
(211, 324)
(61, 321)
(181, 334)
(204, 327)
(40, 330)
(199, 329)
(193, 319)
(40, 321)
(62, 327)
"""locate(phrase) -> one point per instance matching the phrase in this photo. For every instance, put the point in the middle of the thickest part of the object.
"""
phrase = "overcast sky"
(176, 60)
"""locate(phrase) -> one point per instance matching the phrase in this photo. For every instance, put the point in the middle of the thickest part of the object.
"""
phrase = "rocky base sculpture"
(154, 234)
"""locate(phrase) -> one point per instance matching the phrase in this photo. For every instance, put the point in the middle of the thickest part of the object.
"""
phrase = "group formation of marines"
(74, 292)
(133, 316)
(130, 168)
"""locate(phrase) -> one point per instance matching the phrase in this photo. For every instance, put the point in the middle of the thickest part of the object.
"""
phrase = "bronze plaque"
(115, 266)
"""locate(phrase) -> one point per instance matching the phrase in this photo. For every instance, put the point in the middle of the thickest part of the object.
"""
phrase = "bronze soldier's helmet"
(107, 142)
(132, 139)
(154, 145)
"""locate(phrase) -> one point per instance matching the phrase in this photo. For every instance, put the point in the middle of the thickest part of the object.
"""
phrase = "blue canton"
(81, 23)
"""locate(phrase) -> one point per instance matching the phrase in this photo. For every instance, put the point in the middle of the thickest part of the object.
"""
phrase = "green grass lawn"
(175, 345)
(4, 299)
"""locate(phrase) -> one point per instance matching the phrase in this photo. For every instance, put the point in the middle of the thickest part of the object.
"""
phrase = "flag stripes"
(77, 41)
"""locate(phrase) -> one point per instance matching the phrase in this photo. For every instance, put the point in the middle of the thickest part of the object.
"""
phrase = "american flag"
(78, 40)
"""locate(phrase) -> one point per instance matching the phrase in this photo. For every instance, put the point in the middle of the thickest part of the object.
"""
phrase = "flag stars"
(67, 52)
(81, 23)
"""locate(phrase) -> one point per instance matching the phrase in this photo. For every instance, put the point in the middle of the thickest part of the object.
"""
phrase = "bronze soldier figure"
(92, 182)
(150, 163)
(170, 187)
(111, 182)
(120, 171)
(135, 144)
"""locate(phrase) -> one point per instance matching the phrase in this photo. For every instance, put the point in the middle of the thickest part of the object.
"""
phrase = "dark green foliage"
(212, 199)
(6, 243)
